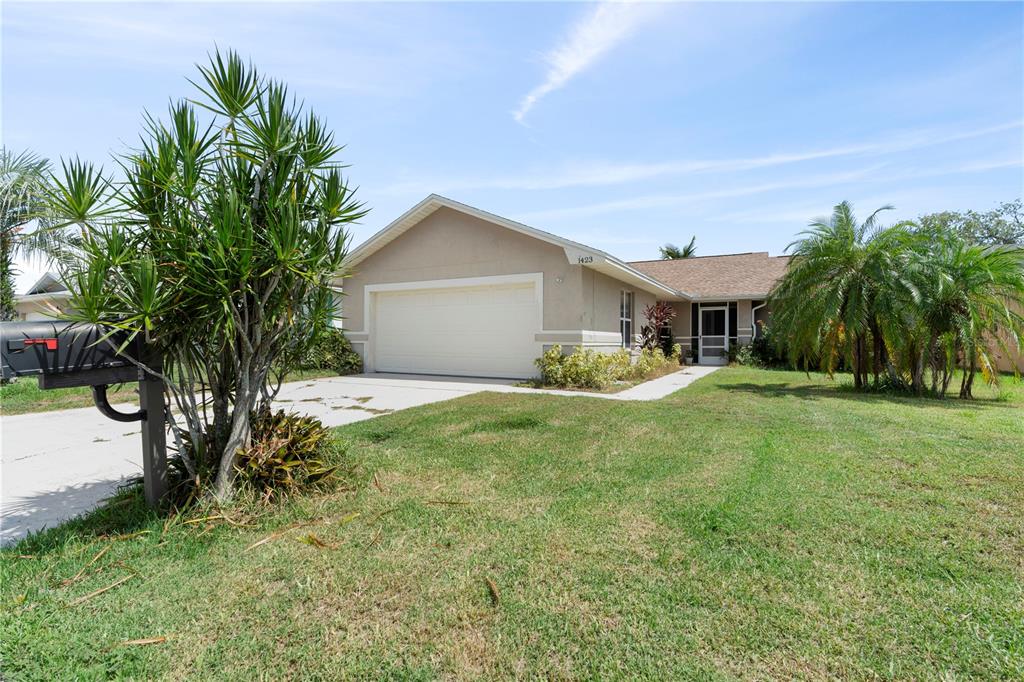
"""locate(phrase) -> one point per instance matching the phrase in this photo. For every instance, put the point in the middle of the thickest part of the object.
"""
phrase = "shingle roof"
(740, 275)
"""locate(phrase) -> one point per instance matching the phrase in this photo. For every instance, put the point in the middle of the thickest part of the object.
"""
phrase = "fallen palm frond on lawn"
(96, 593)
(78, 576)
(144, 641)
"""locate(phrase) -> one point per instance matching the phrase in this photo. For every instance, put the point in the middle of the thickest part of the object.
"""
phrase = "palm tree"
(22, 191)
(842, 287)
(673, 252)
(971, 298)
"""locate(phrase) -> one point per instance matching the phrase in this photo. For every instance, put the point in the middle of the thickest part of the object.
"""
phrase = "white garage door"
(485, 331)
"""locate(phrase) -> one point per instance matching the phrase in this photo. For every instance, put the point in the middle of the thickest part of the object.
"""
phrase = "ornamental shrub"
(590, 369)
(583, 368)
(332, 350)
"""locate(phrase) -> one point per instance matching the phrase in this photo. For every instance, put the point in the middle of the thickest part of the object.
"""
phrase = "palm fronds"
(898, 301)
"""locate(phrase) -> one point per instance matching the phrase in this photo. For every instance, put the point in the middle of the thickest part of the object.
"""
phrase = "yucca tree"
(220, 248)
(843, 282)
(673, 252)
(23, 189)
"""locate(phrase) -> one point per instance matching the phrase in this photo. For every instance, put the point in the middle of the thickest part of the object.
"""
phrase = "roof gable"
(49, 283)
(575, 253)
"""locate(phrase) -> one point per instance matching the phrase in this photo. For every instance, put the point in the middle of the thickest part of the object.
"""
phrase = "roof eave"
(729, 297)
(46, 295)
(576, 253)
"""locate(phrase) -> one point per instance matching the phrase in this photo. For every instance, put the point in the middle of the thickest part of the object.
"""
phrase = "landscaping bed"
(597, 372)
(758, 524)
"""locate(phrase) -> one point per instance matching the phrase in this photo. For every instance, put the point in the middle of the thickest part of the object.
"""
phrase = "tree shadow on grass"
(844, 392)
(44, 522)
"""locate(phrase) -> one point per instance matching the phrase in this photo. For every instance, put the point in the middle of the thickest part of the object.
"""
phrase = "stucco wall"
(743, 322)
(580, 305)
(600, 309)
(762, 316)
(40, 309)
(448, 244)
(681, 322)
(1014, 360)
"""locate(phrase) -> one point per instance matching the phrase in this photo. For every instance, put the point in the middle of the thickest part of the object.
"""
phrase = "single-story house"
(44, 300)
(451, 289)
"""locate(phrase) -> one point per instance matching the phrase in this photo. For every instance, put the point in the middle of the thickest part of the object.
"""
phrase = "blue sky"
(621, 126)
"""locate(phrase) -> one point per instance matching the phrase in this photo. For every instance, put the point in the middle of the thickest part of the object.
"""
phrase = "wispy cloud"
(650, 201)
(604, 173)
(864, 175)
(585, 43)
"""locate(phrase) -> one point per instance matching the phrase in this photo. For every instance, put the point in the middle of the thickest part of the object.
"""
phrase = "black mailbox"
(63, 354)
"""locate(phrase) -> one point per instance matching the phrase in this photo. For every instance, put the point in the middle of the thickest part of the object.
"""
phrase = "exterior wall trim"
(578, 337)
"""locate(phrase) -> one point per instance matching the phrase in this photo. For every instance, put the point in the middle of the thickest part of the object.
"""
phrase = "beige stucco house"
(44, 300)
(450, 289)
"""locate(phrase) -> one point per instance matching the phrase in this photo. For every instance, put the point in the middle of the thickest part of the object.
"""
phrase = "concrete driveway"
(56, 465)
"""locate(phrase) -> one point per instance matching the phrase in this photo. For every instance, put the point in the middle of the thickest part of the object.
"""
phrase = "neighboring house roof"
(49, 283)
(577, 253)
(47, 291)
(739, 275)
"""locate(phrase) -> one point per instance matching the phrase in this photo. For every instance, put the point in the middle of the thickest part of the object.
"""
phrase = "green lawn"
(756, 524)
(24, 395)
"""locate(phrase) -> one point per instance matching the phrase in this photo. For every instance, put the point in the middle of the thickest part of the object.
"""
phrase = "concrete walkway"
(663, 386)
(56, 465)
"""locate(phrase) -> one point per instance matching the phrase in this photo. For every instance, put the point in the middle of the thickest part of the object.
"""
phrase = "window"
(626, 318)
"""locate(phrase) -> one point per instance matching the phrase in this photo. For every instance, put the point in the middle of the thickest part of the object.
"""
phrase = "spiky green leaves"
(222, 243)
(230, 85)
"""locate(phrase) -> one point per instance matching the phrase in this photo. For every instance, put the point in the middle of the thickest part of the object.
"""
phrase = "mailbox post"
(63, 355)
(154, 431)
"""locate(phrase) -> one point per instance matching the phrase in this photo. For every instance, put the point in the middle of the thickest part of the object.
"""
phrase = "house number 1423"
(585, 259)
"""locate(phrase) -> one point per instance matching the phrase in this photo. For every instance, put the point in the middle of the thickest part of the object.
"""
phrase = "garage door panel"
(469, 331)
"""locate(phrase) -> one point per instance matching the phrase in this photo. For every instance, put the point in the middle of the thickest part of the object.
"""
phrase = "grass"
(758, 524)
(24, 395)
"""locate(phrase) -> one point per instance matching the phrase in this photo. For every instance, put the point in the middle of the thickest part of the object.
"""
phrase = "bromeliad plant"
(288, 452)
(220, 247)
